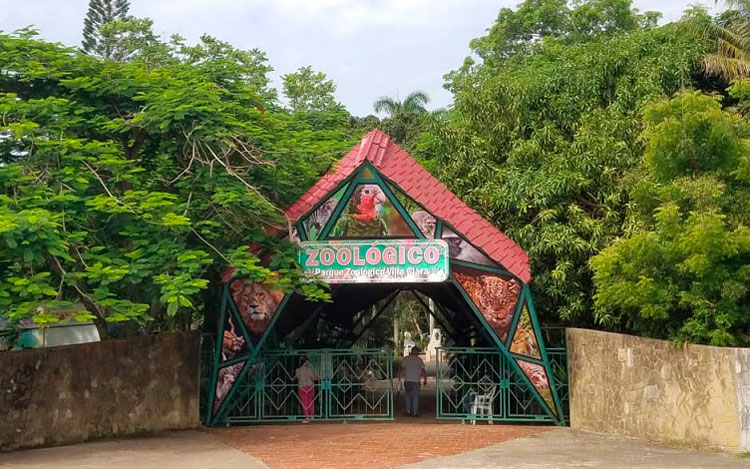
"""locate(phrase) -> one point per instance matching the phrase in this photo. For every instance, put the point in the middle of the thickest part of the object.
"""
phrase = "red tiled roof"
(395, 164)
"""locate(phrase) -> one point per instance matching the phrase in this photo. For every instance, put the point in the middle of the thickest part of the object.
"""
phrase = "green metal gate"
(464, 374)
(354, 385)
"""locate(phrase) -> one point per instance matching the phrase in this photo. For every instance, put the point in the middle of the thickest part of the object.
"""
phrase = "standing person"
(305, 378)
(412, 369)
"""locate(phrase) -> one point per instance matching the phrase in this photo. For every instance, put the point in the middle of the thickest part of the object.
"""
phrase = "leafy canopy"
(682, 270)
(308, 90)
(127, 187)
(539, 144)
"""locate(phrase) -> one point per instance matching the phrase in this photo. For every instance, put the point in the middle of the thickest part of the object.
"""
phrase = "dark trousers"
(411, 397)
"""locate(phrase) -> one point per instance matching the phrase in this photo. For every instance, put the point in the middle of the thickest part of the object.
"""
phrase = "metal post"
(432, 315)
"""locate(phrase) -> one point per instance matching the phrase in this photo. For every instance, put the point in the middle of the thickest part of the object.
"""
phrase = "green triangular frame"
(554, 413)
(360, 175)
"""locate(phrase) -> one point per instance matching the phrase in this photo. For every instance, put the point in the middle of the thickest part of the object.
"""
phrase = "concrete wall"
(695, 395)
(68, 394)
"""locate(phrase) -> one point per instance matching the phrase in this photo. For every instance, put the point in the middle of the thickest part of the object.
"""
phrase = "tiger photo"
(256, 303)
(524, 340)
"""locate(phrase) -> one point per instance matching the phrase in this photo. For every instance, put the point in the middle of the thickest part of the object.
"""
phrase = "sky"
(369, 48)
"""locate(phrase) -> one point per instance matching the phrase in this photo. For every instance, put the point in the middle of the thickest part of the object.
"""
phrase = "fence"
(464, 373)
(357, 384)
(354, 385)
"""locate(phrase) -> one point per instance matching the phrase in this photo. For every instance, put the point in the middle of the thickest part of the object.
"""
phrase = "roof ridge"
(383, 143)
(364, 147)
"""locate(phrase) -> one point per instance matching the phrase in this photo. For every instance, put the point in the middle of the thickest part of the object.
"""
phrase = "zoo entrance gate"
(359, 384)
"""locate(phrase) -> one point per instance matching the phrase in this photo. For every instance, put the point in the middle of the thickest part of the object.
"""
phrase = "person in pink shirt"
(306, 378)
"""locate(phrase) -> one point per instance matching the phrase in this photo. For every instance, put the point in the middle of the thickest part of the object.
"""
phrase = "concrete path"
(559, 448)
(169, 450)
(567, 448)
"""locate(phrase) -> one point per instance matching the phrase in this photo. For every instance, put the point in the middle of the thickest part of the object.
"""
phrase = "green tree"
(414, 103)
(534, 23)
(539, 143)
(682, 269)
(100, 13)
(731, 58)
(129, 187)
(308, 91)
(404, 119)
(133, 39)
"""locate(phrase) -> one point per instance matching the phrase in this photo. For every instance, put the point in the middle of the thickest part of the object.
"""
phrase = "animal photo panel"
(256, 303)
(495, 296)
(317, 220)
(539, 380)
(370, 214)
(524, 339)
(463, 250)
(422, 218)
(224, 381)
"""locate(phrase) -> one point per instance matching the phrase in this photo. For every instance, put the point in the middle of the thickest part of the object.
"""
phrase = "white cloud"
(368, 47)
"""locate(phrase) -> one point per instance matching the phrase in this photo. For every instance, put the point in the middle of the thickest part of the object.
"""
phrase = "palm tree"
(732, 57)
(414, 103)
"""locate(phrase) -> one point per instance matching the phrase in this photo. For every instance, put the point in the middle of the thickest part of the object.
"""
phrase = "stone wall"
(695, 395)
(73, 393)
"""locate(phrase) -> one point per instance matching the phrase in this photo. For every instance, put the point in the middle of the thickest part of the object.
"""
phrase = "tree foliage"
(414, 103)
(588, 133)
(404, 119)
(683, 268)
(99, 14)
(308, 90)
(524, 31)
(129, 186)
(539, 140)
(731, 57)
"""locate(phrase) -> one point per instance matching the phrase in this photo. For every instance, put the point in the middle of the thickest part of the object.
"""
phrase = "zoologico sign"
(376, 261)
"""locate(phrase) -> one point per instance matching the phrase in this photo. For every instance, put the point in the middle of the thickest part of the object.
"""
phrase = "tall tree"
(100, 13)
(538, 144)
(683, 267)
(308, 90)
(129, 188)
(404, 119)
(414, 103)
(731, 59)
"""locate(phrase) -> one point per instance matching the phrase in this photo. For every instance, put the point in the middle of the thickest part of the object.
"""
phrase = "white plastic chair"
(483, 405)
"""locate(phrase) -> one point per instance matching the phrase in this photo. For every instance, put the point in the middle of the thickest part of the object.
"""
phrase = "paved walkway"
(556, 448)
(169, 450)
(567, 448)
(365, 445)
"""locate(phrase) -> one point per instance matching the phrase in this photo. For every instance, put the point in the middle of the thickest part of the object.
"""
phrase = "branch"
(209, 244)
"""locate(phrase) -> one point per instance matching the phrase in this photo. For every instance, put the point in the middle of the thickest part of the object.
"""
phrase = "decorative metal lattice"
(353, 384)
(466, 374)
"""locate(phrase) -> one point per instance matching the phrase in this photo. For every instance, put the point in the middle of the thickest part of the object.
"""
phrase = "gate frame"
(356, 177)
(324, 389)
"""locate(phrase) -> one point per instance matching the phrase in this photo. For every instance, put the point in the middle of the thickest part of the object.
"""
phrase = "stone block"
(693, 395)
